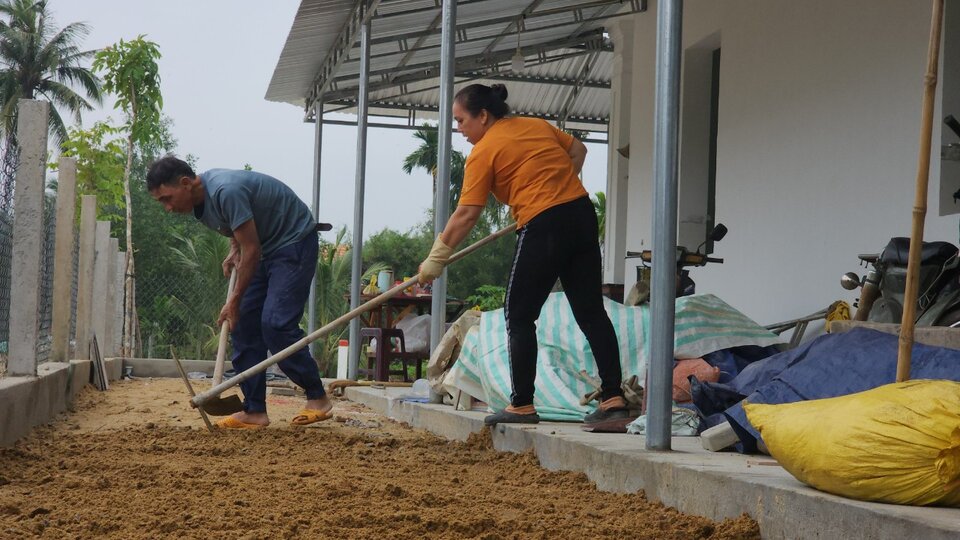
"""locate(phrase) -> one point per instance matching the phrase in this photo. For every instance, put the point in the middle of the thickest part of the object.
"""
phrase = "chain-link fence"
(7, 174)
(179, 310)
(46, 277)
(48, 256)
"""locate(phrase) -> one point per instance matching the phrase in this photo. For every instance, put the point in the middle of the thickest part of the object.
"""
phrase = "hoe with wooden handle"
(223, 406)
(200, 400)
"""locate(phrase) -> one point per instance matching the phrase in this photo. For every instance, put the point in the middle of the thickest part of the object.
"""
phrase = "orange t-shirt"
(525, 164)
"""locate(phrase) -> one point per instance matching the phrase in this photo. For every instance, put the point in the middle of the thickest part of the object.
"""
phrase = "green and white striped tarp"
(704, 324)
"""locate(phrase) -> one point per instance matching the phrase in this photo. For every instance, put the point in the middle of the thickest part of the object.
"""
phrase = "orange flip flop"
(311, 416)
(232, 423)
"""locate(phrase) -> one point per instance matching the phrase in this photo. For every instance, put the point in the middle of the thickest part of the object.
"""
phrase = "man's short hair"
(167, 170)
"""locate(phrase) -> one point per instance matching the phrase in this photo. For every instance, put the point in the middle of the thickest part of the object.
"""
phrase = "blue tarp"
(832, 365)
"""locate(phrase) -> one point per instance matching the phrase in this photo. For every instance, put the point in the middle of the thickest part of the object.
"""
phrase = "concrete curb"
(165, 367)
(27, 402)
(714, 485)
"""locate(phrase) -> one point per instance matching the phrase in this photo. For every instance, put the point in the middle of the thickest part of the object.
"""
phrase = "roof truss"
(334, 86)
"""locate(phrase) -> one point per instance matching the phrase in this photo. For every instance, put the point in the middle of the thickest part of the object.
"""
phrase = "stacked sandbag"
(898, 443)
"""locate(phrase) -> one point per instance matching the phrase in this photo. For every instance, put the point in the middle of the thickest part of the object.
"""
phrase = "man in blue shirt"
(273, 245)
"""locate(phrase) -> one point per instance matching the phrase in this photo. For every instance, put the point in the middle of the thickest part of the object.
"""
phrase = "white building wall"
(819, 120)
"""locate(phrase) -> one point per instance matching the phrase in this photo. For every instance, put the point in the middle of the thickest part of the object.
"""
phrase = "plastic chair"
(378, 362)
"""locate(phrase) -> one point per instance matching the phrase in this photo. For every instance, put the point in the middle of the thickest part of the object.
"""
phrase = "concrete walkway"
(691, 479)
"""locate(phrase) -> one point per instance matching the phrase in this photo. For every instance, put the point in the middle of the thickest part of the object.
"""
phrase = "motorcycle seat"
(933, 253)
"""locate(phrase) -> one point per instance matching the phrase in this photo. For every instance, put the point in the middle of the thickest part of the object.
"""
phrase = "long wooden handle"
(373, 303)
(920, 196)
(224, 331)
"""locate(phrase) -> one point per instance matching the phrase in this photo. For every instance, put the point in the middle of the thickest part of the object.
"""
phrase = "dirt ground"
(136, 462)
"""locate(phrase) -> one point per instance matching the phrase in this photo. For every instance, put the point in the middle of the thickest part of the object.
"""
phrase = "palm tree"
(425, 157)
(37, 60)
(201, 291)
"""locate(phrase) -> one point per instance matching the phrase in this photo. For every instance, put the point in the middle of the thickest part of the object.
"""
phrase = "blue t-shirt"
(231, 198)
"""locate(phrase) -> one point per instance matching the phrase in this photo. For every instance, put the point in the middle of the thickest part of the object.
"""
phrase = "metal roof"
(566, 77)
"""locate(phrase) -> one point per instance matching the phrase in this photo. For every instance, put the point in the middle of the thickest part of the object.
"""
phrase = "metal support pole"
(664, 284)
(357, 250)
(441, 205)
(317, 147)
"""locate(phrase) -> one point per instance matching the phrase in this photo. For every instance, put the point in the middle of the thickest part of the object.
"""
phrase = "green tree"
(487, 266)
(199, 256)
(404, 251)
(131, 73)
(99, 152)
(487, 297)
(38, 60)
(425, 157)
(332, 290)
(401, 252)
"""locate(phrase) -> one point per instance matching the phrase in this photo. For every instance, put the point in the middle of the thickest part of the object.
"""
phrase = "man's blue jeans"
(270, 314)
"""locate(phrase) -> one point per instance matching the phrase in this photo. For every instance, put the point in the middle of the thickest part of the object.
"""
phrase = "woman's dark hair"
(167, 170)
(477, 97)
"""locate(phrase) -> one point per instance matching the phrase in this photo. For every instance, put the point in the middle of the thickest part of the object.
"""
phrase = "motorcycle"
(685, 260)
(883, 287)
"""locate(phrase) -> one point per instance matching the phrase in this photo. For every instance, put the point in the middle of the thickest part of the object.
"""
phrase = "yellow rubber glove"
(432, 266)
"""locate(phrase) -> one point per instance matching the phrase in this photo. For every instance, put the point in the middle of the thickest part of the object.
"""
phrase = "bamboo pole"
(920, 199)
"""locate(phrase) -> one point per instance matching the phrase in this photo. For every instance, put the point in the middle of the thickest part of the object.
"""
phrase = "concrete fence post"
(63, 260)
(108, 343)
(28, 233)
(102, 269)
(88, 224)
(118, 282)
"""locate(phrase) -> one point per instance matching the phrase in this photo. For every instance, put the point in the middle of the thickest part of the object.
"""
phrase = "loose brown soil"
(136, 462)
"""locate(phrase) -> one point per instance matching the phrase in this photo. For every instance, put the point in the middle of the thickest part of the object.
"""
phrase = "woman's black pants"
(561, 242)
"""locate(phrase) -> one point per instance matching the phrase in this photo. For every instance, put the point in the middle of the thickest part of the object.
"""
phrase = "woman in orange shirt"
(533, 167)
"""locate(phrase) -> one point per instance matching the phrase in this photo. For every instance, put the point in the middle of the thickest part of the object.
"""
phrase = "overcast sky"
(218, 58)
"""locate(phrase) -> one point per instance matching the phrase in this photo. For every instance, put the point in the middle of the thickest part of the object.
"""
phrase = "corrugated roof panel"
(484, 27)
(315, 28)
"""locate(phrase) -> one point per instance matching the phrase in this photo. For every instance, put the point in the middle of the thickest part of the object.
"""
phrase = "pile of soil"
(136, 462)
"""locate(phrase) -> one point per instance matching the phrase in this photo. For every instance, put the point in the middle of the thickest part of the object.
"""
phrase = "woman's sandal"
(311, 416)
(232, 423)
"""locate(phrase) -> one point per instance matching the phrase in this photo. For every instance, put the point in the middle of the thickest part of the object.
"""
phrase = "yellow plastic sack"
(898, 443)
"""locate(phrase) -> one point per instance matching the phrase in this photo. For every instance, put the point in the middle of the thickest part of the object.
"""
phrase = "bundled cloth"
(830, 366)
(565, 364)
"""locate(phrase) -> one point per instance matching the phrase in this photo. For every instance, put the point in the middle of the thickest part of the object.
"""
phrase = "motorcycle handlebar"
(687, 259)
(696, 259)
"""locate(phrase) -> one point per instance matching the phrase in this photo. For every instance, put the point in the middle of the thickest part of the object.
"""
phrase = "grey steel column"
(664, 284)
(357, 250)
(317, 147)
(441, 206)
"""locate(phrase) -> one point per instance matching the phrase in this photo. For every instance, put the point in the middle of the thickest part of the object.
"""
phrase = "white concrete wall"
(950, 104)
(819, 120)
